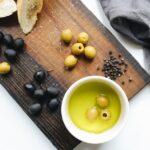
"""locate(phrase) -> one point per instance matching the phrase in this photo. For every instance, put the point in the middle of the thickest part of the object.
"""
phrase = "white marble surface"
(18, 132)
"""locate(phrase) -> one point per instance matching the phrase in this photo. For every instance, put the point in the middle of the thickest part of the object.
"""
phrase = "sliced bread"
(7, 8)
(27, 13)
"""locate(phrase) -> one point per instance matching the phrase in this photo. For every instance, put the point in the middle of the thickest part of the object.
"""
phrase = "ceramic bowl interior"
(88, 137)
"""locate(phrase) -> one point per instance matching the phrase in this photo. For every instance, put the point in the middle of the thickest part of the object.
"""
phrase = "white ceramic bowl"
(89, 137)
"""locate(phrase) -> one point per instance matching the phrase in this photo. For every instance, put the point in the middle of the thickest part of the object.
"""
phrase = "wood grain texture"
(50, 123)
(44, 46)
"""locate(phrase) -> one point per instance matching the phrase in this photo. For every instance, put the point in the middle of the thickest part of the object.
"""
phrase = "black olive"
(1, 36)
(35, 108)
(52, 92)
(8, 40)
(39, 94)
(30, 88)
(19, 44)
(10, 54)
(53, 104)
(39, 76)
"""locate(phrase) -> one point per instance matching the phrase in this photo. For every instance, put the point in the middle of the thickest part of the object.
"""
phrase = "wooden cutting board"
(45, 50)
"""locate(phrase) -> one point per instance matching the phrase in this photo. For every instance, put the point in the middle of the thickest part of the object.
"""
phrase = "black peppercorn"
(122, 82)
(110, 52)
(119, 55)
(130, 80)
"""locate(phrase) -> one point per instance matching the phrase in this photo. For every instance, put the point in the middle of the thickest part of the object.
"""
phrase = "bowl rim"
(89, 137)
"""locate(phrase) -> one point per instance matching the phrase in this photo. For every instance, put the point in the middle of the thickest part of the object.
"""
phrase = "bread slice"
(7, 8)
(27, 13)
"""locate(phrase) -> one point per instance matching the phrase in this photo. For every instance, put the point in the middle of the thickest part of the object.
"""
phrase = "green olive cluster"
(100, 109)
(78, 48)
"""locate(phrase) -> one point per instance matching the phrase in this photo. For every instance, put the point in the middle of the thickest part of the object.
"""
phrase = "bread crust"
(27, 11)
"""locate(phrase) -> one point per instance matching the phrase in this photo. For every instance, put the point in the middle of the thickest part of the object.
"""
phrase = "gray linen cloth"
(131, 18)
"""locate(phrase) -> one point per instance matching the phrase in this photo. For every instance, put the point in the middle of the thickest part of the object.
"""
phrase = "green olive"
(83, 38)
(66, 35)
(105, 114)
(102, 101)
(4, 68)
(92, 113)
(77, 48)
(70, 61)
(90, 52)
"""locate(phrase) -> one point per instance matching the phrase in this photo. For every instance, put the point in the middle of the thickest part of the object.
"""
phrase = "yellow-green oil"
(84, 97)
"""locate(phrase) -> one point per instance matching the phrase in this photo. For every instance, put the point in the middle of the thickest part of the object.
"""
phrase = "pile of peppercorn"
(12, 48)
(41, 95)
(114, 67)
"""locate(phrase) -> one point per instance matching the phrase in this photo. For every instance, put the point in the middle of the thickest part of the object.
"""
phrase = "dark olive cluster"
(13, 46)
(41, 95)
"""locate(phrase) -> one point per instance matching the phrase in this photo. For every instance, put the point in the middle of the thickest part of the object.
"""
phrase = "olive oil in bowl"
(84, 97)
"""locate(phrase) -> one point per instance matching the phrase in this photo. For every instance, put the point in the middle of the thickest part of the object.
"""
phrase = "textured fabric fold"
(130, 17)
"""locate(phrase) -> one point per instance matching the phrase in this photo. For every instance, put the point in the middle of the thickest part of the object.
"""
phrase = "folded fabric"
(130, 17)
